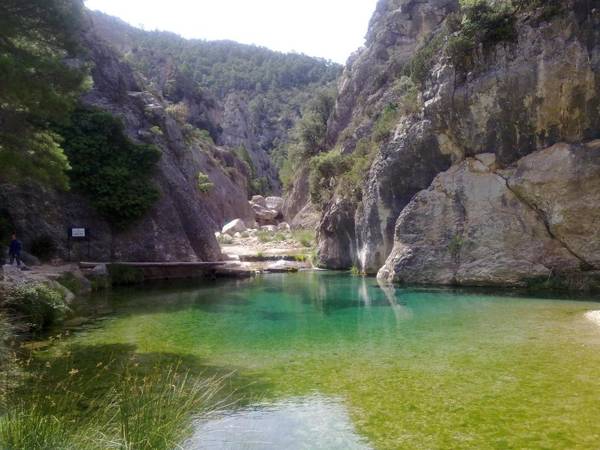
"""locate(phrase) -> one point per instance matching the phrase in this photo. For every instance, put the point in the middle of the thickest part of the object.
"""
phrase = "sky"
(330, 29)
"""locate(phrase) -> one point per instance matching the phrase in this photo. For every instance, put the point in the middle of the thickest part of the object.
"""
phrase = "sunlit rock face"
(478, 225)
(518, 98)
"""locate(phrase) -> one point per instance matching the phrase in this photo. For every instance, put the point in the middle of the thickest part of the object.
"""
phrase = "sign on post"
(79, 234)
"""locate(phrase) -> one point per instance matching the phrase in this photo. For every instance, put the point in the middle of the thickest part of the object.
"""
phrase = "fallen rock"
(264, 215)
(234, 226)
(282, 267)
(284, 226)
(275, 203)
(270, 228)
(259, 200)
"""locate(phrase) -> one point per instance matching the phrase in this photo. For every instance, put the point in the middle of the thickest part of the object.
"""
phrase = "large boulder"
(235, 226)
(337, 241)
(275, 203)
(479, 226)
(264, 216)
(259, 200)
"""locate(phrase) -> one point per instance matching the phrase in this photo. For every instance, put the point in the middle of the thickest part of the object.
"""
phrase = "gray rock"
(275, 203)
(259, 200)
(336, 238)
(233, 227)
(476, 226)
(284, 226)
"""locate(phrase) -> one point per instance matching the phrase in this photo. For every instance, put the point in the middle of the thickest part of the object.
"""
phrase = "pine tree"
(39, 84)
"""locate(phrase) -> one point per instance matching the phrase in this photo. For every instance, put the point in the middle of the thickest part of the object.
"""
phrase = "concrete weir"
(154, 271)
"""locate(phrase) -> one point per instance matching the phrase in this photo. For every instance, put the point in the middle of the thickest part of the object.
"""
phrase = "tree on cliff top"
(37, 85)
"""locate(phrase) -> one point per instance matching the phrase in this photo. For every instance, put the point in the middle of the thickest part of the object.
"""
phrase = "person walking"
(14, 251)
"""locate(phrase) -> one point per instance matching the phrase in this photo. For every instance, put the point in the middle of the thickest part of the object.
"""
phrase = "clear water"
(333, 361)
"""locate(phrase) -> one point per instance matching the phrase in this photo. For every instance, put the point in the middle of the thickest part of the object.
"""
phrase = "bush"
(482, 23)
(385, 123)
(179, 112)
(204, 183)
(113, 172)
(43, 247)
(324, 169)
(156, 130)
(424, 59)
(151, 410)
(37, 305)
(124, 275)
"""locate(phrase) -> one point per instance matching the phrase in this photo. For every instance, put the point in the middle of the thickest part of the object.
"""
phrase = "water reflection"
(314, 422)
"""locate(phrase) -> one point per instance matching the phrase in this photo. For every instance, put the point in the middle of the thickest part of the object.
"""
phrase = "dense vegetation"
(113, 172)
(307, 139)
(36, 85)
(224, 66)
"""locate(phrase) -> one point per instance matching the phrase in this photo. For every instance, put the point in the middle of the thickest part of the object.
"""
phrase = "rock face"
(477, 225)
(337, 236)
(516, 99)
(181, 225)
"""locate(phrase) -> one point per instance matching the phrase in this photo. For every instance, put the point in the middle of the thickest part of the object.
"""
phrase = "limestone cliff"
(182, 223)
(509, 95)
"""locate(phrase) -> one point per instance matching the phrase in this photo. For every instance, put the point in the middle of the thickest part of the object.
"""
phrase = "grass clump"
(124, 275)
(306, 238)
(142, 409)
(36, 305)
(204, 183)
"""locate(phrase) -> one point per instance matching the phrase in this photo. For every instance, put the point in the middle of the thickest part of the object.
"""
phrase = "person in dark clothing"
(14, 251)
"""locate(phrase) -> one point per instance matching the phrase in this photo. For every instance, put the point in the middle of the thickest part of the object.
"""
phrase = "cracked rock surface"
(477, 225)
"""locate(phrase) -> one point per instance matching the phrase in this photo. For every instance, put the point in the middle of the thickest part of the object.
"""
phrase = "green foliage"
(256, 185)
(385, 122)
(145, 409)
(355, 271)
(179, 112)
(36, 305)
(424, 59)
(409, 95)
(124, 275)
(306, 238)
(308, 138)
(455, 245)
(204, 183)
(113, 172)
(548, 8)
(156, 130)
(324, 170)
(36, 87)
(43, 247)
(481, 23)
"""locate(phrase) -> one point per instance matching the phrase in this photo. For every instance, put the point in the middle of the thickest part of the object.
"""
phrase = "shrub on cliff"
(107, 167)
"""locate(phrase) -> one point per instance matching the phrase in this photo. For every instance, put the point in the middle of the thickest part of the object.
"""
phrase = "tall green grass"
(153, 410)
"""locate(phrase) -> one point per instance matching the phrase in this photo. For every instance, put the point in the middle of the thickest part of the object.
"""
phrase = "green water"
(414, 369)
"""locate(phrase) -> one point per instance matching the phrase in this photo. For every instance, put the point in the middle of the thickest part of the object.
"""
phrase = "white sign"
(78, 232)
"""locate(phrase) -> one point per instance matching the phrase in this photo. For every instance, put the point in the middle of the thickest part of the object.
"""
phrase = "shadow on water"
(92, 371)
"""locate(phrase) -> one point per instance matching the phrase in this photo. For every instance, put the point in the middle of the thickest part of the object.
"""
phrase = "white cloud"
(331, 29)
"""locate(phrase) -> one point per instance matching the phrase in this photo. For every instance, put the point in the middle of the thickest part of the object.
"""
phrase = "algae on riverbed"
(416, 369)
